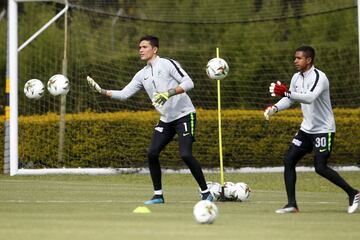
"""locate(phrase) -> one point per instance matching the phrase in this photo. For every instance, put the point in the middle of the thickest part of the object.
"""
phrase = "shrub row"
(121, 139)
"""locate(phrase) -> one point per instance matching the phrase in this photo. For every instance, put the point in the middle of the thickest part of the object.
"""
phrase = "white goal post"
(11, 158)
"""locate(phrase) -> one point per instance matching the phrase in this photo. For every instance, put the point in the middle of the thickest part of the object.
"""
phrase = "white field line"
(280, 169)
(140, 202)
(71, 183)
(113, 171)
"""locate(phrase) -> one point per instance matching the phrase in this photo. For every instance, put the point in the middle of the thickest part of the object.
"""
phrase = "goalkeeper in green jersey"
(166, 84)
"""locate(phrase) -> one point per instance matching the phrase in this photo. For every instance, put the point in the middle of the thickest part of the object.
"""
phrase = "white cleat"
(354, 203)
(287, 209)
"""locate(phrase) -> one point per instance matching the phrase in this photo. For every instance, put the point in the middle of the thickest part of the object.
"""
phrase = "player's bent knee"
(288, 161)
(320, 164)
(293, 155)
(320, 168)
(152, 154)
(187, 157)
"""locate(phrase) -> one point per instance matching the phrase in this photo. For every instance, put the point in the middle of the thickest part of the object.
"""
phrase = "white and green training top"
(160, 75)
(311, 90)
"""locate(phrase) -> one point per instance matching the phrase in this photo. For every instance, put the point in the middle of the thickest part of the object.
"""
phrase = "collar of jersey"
(306, 74)
(151, 63)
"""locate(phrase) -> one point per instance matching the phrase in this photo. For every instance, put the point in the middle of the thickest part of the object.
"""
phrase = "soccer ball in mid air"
(217, 68)
(205, 212)
(34, 89)
(242, 191)
(58, 85)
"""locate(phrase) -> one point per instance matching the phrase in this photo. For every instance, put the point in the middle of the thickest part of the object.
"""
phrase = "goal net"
(256, 38)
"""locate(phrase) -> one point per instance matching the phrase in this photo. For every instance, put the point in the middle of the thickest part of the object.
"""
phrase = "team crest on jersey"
(159, 73)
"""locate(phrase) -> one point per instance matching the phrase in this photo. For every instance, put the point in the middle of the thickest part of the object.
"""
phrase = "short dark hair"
(308, 51)
(154, 41)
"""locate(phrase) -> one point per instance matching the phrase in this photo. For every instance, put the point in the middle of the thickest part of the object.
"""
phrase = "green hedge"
(121, 139)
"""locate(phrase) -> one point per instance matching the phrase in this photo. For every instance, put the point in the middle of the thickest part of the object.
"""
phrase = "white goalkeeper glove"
(94, 86)
(269, 111)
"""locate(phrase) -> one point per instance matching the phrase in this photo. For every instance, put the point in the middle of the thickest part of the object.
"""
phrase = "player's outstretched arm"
(278, 90)
(269, 111)
(96, 87)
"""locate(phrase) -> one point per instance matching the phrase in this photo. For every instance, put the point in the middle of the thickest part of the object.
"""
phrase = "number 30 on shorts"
(320, 142)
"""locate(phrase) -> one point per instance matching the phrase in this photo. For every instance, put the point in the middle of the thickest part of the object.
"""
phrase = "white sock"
(158, 192)
(205, 191)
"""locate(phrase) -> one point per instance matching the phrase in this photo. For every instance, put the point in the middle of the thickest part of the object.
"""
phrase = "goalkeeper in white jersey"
(309, 87)
(166, 84)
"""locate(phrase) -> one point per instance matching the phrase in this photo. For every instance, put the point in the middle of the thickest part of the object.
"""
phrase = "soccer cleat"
(288, 209)
(207, 196)
(156, 199)
(354, 203)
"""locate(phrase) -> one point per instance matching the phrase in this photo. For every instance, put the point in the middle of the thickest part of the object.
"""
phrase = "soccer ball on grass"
(242, 192)
(34, 89)
(229, 191)
(217, 68)
(215, 190)
(205, 212)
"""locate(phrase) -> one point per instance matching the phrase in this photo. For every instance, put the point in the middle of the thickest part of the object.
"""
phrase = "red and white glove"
(278, 89)
(269, 111)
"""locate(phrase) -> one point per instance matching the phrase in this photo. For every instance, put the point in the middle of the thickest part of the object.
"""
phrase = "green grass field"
(100, 207)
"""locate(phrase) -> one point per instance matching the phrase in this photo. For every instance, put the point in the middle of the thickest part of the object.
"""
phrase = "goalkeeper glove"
(269, 111)
(160, 99)
(279, 89)
(94, 86)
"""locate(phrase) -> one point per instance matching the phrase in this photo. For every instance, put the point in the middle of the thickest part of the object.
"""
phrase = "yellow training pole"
(220, 135)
